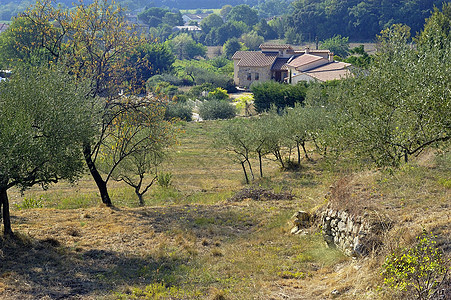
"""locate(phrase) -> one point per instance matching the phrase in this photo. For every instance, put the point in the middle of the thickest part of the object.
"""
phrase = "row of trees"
(63, 102)
(275, 135)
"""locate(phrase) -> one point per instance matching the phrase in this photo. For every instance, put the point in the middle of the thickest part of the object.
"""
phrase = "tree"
(185, 47)
(420, 269)
(218, 36)
(44, 120)
(292, 36)
(20, 44)
(90, 42)
(237, 141)
(437, 30)
(225, 10)
(231, 46)
(173, 19)
(149, 59)
(244, 14)
(245, 103)
(338, 45)
(359, 57)
(401, 105)
(212, 21)
(265, 30)
(216, 109)
(136, 143)
(252, 40)
(153, 16)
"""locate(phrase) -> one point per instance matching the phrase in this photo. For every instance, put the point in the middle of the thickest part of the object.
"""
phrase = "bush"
(164, 179)
(212, 110)
(198, 90)
(180, 110)
(218, 94)
(281, 95)
(420, 269)
(166, 77)
(28, 203)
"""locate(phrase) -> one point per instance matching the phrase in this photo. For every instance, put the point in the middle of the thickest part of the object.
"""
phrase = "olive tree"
(237, 139)
(44, 119)
(136, 143)
(401, 105)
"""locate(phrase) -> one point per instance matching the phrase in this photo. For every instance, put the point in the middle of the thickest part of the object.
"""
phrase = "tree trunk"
(140, 197)
(245, 173)
(5, 209)
(299, 153)
(305, 151)
(250, 169)
(101, 184)
(260, 164)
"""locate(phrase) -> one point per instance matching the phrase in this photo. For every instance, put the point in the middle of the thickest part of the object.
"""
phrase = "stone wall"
(348, 233)
(354, 235)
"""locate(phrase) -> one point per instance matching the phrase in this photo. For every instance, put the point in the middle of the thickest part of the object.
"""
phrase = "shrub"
(166, 77)
(28, 203)
(212, 110)
(180, 110)
(420, 269)
(281, 95)
(164, 179)
(198, 90)
(218, 94)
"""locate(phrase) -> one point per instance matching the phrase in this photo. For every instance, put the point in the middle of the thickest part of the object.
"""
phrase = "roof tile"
(254, 58)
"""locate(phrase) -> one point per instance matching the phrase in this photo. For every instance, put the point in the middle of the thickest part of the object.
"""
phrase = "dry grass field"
(192, 241)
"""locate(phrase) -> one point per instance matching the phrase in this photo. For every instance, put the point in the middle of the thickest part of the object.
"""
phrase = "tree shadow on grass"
(212, 221)
(33, 269)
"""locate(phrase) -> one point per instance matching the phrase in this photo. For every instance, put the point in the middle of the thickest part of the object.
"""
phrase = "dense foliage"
(357, 19)
(281, 95)
(45, 118)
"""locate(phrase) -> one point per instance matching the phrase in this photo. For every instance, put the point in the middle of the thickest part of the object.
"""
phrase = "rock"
(349, 226)
(349, 252)
(355, 229)
(329, 240)
(360, 249)
(335, 293)
(341, 226)
(294, 230)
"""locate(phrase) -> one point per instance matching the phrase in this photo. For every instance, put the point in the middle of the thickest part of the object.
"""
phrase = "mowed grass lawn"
(191, 241)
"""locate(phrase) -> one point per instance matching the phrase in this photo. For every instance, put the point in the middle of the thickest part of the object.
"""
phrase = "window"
(249, 76)
(257, 76)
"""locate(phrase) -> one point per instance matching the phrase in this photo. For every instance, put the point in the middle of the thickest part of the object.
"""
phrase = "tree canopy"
(45, 118)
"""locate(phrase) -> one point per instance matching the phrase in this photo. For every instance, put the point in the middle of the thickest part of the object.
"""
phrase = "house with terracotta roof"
(283, 63)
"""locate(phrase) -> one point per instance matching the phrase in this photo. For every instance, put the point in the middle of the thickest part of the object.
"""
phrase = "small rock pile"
(301, 220)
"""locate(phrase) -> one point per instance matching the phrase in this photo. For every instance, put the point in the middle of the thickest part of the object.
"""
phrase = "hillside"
(194, 241)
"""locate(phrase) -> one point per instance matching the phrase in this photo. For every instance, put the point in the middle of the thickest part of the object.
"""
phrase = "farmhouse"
(283, 63)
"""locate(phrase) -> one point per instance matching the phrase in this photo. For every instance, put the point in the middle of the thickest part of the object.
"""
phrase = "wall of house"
(241, 78)
(301, 77)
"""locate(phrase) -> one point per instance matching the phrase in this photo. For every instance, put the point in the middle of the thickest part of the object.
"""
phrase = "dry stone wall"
(348, 233)
(353, 235)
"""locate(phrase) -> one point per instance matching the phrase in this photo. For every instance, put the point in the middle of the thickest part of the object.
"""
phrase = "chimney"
(307, 50)
(331, 57)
